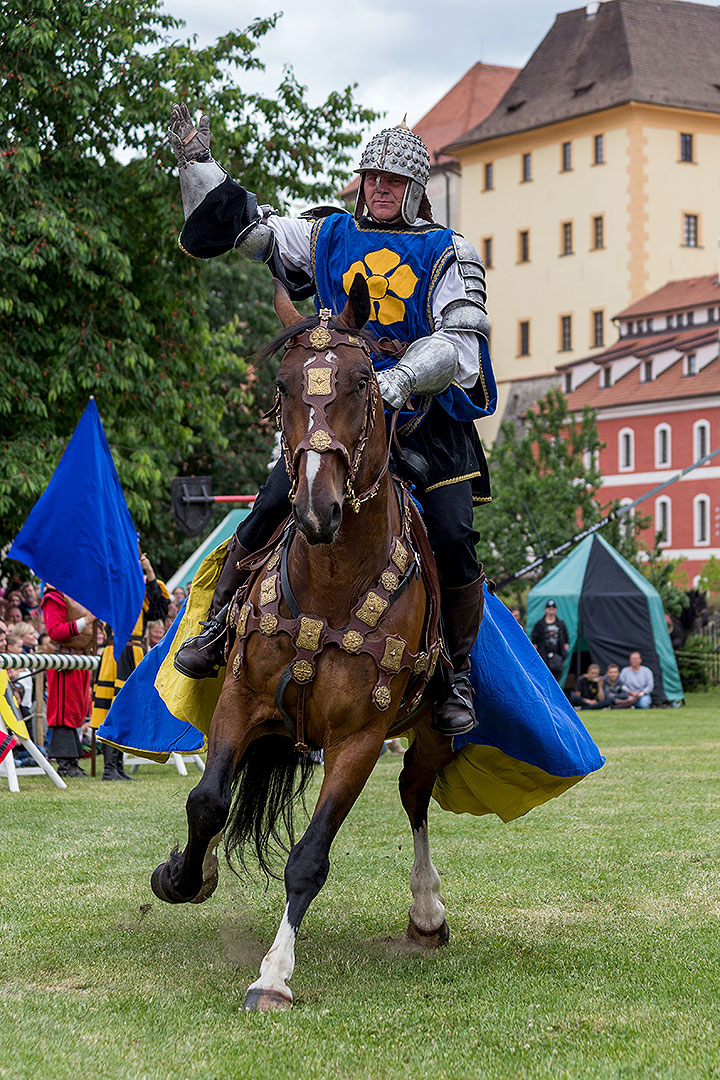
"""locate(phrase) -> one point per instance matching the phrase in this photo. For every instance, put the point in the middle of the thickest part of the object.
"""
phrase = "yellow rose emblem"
(389, 283)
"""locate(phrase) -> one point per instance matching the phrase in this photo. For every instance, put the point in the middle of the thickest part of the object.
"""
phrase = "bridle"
(319, 391)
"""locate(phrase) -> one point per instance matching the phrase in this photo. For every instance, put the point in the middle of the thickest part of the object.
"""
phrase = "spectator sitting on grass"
(639, 681)
(617, 695)
(588, 692)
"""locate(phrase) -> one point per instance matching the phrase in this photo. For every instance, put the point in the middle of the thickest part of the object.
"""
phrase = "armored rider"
(427, 290)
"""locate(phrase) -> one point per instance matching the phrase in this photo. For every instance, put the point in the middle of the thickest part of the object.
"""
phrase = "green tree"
(545, 483)
(95, 297)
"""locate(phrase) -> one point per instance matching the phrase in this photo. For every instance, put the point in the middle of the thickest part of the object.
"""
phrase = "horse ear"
(357, 310)
(286, 312)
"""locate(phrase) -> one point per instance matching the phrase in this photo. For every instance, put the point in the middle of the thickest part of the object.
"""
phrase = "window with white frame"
(606, 377)
(647, 371)
(690, 230)
(691, 364)
(662, 446)
(626, 450)
(701, 519)
(625, 521)
(663, 520)
(701, 439)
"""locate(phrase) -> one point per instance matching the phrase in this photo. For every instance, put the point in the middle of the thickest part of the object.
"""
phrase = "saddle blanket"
(529, 745)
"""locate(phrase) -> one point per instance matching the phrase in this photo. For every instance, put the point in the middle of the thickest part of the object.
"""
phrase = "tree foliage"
(545, 483)
(95, 297)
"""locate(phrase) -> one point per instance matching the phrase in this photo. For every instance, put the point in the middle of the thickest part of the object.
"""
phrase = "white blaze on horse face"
(279, 962)
(313, 460)
(428, 909)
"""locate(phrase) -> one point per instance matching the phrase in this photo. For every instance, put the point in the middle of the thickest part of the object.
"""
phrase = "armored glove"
(429, 366)
(396, 385)
(189, 143)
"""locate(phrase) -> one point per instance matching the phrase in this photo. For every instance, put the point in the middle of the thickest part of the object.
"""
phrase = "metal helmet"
(399, 151)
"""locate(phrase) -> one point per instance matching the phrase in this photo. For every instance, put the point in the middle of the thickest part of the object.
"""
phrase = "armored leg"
(201, 656)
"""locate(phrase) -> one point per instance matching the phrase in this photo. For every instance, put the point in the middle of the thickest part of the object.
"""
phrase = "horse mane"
(289, 332)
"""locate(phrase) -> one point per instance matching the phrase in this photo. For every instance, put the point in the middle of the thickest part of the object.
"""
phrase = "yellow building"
(594, 180)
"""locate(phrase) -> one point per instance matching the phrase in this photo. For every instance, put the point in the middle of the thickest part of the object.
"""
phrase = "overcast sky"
(404, 55)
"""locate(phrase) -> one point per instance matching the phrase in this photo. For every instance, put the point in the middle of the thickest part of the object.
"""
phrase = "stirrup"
(201, 657)
(455, 714)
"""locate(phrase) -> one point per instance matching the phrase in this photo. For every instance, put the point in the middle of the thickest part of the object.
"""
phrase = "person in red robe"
(72, 631)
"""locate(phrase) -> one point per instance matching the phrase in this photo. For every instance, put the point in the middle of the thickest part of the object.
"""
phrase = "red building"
(657, 397)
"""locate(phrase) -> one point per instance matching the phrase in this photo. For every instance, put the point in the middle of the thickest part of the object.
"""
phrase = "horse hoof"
(266, 1001)
(432, 940)
(208, 888)
(156, 886)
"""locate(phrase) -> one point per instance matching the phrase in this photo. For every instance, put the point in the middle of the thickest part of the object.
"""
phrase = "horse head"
(329, 410)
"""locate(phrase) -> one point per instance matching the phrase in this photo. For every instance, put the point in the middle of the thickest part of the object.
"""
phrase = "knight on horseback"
(427, 290)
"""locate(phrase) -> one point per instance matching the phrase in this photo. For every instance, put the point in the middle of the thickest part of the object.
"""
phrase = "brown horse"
(335, 641)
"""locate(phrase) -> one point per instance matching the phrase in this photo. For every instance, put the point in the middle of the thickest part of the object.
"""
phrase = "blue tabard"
(403, 268)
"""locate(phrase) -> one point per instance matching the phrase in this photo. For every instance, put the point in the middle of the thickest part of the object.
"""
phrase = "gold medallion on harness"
(319, 381)
(352, 641)
(268, 590)
(302, 671)
(320, 440)
(392, 657)
(320, 338)
(242, 619)
(273, 561)
(268, 624)
(400, 556)
(382, 697)
(433, 661)
(308, 636)
(389, 580)
(420, 663)
(372, 609)
(237, 667)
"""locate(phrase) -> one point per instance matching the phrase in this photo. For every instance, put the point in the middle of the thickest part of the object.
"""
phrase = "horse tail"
(269, 780)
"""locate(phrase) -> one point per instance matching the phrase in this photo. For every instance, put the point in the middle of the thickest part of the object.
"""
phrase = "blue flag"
(80, 537)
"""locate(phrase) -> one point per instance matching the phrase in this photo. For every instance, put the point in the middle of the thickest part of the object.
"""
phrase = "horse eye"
(362, 384)
(281, 388)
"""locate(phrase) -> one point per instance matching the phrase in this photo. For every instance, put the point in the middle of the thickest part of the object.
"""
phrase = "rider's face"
(384, 194)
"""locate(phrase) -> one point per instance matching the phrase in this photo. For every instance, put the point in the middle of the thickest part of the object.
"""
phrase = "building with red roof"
(656, 392)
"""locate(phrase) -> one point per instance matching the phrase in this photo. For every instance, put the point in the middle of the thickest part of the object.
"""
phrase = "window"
(663, 518)
(606, 377)
(598, 328)
(670, 321)
(680, 319)
(598, 232)
(526, 168)
(566, 157)
(640, 326)
(690, 230)
(647, 371)
(662, 446)
(487, 246)
(691, 364)
(568, 382)
(599, 150)
(565, 333)
(631, 328)
(524, 246)
(711, 314)
(524, 338)
(686, 147)
(701, 519)
(701, 439)
(649, 325)
(690, 318)
(488, 176)
(626, 450)
(566, 240)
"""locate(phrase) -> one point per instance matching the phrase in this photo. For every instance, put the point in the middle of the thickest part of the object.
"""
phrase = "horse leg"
(191, 876)
(347, 768)
(427, 755)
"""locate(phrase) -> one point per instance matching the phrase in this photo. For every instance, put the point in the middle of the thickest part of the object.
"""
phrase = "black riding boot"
(462, 611)
(200, 657)
(110, 771)
(120, 765)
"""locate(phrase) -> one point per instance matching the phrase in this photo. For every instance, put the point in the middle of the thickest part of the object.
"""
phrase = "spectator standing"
(550, 638)
(72, 630)
(114, 672)
(639, 681)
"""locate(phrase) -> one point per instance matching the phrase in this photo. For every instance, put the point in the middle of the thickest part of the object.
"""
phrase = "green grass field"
(585, 937)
